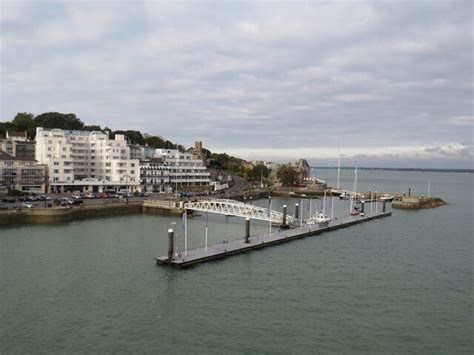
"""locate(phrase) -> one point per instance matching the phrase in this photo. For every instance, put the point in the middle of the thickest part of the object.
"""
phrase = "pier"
(247, 244)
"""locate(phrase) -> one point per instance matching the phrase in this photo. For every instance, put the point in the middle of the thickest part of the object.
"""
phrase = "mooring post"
(362, 208)
(297, 209)
(170, 244)
(247, 230)
(383, 206)
(409, 192)
(283, 224)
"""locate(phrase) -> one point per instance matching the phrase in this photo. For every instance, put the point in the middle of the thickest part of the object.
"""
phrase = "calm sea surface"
(396, 285)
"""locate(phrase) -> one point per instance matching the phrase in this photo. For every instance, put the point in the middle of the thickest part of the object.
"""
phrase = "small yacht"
(344, 196)
(386, 197)
(318, 218)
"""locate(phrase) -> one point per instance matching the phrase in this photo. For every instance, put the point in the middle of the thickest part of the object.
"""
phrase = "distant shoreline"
(470, 171)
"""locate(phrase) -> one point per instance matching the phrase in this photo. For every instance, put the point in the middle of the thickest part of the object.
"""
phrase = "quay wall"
(415, 203)
(66, 214)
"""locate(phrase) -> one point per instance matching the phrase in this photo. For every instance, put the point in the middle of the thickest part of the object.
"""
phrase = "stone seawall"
(65, 214)
(415, 203)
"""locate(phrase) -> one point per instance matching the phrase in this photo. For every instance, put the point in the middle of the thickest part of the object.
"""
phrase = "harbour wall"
(415, 203)
(66, 214)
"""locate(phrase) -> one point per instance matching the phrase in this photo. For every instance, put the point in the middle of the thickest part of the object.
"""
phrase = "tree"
(67, 121)
(4, 127)
(154, 141)
(257, 172)
(135, 137)
(23, 121)
(286, 174)
(92, 128)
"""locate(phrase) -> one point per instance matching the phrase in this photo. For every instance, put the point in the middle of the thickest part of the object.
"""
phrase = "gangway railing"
(238, 209)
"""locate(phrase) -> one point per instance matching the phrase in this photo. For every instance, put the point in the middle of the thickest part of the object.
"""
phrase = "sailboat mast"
(338, 172)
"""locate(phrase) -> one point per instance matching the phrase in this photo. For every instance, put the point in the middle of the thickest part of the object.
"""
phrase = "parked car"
(27, 205)
(76, 202)
(63, 201)
(76, 195)
(90, 195)
(9, 200)
(3, 206)
(102, 195)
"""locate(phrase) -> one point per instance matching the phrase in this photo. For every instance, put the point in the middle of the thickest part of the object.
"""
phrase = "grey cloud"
(306, 74)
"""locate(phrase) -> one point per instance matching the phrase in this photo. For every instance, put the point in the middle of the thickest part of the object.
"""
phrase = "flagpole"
(332, 207)
(371, 202)
(206, 229)
(185, 232)
(324, 205)
(376, 206)
(270, 214)
(301, 213)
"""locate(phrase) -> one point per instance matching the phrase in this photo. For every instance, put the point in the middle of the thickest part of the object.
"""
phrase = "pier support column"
(383, 205)
(297, 209)
(284, 225)
(362, 207)
(409, 192)
(247, 230)
(170, 244)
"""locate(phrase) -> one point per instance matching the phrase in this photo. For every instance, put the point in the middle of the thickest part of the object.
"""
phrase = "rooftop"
(6, 156)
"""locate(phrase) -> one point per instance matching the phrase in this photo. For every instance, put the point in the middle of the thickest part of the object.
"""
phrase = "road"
(239, 184)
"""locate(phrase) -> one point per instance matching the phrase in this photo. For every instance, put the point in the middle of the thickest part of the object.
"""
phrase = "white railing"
(238, 209)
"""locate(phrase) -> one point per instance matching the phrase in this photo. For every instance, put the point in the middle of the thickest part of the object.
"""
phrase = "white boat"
(344, 196)
(318, 218)
(386, 197)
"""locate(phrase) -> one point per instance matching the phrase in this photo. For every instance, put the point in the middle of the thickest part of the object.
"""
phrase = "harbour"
(92, 284)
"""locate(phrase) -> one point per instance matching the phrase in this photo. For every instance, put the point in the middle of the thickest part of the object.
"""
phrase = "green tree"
(133, 136)
(23, 121)
(4, 127)
(59, 120)
(92, 128)
(258, 171)
(154, 141)
(286, 174)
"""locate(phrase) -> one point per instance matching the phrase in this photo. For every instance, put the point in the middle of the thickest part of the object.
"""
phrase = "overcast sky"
(385, 83)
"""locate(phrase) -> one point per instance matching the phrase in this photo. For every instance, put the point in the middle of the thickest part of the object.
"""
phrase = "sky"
(383, 83)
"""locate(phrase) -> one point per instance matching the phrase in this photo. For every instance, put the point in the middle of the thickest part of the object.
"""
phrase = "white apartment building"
(186, 170)
(86, 161)
(154, 175)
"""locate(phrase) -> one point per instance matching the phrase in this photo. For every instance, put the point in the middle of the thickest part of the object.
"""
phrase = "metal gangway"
(238, 209)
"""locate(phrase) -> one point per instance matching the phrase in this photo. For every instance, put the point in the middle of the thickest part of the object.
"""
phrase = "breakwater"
(415, 203)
